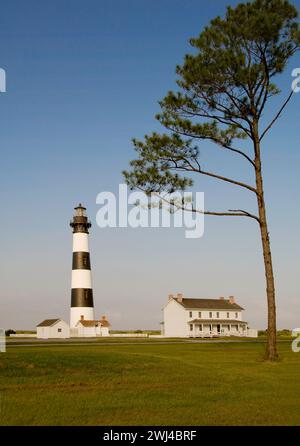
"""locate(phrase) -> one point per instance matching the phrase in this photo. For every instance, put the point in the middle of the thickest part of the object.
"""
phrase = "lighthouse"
(82, 304)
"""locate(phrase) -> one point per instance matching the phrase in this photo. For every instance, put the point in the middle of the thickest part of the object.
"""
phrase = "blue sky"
(83, 78)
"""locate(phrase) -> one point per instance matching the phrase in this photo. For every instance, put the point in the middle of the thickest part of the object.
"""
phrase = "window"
(191, 327)
(236, 315)
(227, 315)
(59, 330)
(199, 314)
(210, 314)
(218, 314)
(191, 314)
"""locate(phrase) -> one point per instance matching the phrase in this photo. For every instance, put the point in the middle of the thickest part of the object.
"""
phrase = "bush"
(9, 332)
(284, 332)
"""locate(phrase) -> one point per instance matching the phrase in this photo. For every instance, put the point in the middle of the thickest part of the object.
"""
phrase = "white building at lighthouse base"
(91, 328)
(53, 329)
(84, 328)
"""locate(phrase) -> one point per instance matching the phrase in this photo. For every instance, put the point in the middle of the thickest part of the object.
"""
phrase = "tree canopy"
(222, 92)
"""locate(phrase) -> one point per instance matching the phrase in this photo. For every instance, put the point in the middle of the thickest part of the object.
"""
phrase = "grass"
(149, 384)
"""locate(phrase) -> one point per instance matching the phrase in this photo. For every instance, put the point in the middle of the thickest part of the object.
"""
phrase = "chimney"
(82, 317)
(222, 298)
(231, 299)
(170, 296)
(179, 297)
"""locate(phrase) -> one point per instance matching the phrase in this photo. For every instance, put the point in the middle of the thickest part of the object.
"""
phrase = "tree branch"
(247, 214)
(213, 175)
(276, 116)
(230, 213)
(229, 180)
(240, 152)
(216, 141)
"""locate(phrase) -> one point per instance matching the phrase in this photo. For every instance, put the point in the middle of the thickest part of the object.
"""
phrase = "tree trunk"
(271, 351)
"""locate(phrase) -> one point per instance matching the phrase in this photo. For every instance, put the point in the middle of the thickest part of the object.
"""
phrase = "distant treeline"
(11, 331)
(150, 332)
(284, 332)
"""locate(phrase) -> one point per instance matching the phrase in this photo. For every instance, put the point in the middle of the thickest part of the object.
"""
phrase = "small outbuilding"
(53, 328)
(90, 328)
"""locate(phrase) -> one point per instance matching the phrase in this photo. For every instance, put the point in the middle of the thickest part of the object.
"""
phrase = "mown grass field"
(149, 384)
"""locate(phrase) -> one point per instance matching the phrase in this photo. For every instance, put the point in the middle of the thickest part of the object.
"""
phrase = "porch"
(208, 328)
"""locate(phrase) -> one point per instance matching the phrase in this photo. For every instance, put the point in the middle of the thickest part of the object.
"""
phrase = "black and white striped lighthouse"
(82, 304)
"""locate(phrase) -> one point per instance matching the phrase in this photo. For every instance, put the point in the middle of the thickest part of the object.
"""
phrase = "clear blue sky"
(83, 77)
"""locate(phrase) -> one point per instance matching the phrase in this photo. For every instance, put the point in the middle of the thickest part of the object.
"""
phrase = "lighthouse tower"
(82, 305)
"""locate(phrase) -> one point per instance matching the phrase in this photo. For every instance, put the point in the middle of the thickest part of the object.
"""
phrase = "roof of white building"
(48, 322)
(90, 323)
(208, 304)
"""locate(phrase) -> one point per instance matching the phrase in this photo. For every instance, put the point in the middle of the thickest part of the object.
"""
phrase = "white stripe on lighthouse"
(77, 312)
(81, 278)
(80, 242)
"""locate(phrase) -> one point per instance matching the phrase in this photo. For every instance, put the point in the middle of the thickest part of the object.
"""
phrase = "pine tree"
(223, 90)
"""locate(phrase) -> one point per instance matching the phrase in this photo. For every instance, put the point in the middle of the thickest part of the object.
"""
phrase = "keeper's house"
(185, 317)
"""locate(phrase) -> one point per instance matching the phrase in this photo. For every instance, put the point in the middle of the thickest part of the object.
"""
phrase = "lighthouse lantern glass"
(80, 212)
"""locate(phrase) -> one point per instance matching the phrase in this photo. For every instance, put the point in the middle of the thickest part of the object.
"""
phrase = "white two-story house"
(186, 317)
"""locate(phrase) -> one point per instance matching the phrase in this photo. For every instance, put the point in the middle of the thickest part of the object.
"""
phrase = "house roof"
(105, 323)
(216, 321)
(48, 322)
(205, 304)
(89, 323)
(102, 323)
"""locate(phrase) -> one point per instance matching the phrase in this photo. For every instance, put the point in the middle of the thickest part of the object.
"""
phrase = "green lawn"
(149, 384)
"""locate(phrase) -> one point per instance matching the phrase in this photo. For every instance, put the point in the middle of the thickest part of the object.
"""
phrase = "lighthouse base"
(77, 313)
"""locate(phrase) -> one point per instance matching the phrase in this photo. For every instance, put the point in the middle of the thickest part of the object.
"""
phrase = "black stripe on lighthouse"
(82, 297)
(81, 260)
